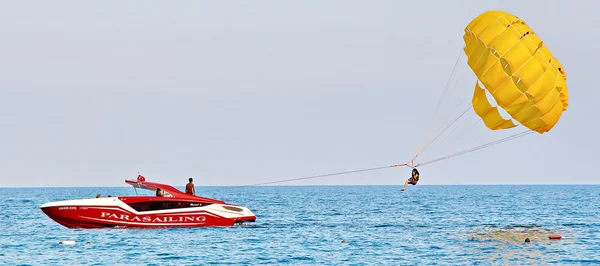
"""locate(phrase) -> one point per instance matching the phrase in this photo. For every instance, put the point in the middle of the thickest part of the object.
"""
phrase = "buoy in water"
(68, 242)
(555, 237)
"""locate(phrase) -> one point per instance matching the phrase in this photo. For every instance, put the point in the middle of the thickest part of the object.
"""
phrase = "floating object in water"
(514, 235)
(68, 242)
(527, 239)
(555, 237)
(343, 241)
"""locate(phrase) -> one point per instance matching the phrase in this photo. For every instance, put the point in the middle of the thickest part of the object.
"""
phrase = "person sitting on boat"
(413, 180)
(189, 187)
(160, 193)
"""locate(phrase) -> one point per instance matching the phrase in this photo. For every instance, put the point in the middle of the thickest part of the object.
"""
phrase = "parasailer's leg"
(405, 185)
(411, 181)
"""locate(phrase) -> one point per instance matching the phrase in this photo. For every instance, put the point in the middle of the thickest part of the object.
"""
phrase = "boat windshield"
(167, 191)
(150, 191)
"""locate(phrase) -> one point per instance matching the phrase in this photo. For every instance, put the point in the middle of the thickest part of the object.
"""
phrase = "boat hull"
(93, 213)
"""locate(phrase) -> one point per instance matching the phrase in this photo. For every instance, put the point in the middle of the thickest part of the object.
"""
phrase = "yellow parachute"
(513, 64)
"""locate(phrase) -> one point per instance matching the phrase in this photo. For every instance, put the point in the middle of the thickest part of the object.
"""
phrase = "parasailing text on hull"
(156, 219)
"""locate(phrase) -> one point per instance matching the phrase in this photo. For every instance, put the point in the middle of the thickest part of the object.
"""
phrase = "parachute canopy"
(521, 74)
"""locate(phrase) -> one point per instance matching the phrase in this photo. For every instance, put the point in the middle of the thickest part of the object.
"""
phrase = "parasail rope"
(441, 133)
(511, 137)
(430, 124)
(316, 176)
(409, 164)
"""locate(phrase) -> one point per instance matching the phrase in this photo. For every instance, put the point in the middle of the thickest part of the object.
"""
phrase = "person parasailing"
(413, 180)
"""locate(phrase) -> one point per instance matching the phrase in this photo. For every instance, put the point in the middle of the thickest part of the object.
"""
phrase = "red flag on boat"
(141, 177)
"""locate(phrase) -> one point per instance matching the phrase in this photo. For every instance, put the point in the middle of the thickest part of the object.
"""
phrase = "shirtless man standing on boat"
(189, 187)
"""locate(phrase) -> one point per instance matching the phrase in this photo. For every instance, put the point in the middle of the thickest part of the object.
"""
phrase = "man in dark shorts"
(413, 180)
(189, 187)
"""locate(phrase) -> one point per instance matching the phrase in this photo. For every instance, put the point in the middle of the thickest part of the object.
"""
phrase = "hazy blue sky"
(242, 92)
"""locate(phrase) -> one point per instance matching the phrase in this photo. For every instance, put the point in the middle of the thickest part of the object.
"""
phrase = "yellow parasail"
(522, 75)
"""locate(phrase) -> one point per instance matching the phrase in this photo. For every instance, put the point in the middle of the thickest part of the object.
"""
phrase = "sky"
(238, 93)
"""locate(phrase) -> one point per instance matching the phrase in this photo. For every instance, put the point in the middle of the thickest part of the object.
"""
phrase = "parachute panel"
(539, 88)
(493, 77)
(504, 41)
(532, 71)
(548, 102)
(481, 22)
(489, 114)
(552, 117)
(525, 112)
(518, 55)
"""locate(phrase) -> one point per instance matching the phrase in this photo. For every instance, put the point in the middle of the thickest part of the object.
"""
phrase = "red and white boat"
(174, 209)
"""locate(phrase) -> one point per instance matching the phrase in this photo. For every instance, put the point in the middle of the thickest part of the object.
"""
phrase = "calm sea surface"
(305, 225)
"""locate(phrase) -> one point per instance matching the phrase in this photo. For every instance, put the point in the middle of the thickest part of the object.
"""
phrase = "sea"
(327, 225)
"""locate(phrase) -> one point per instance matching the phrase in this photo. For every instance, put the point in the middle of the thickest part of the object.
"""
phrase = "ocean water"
(327, 225)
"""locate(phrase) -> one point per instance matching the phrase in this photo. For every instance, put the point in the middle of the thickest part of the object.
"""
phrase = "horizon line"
(327, 185)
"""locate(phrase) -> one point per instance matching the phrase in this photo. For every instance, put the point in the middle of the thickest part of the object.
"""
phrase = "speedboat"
(173, 209)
